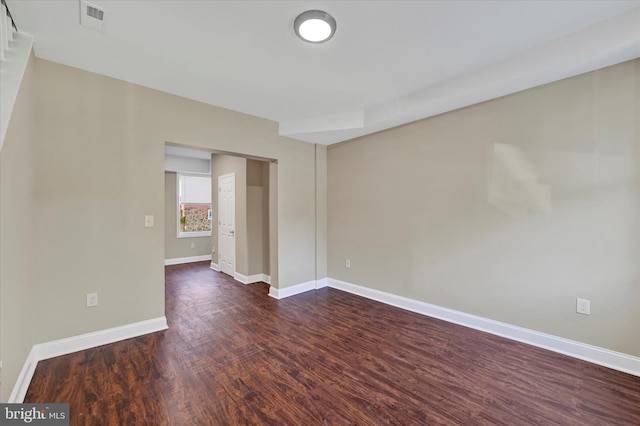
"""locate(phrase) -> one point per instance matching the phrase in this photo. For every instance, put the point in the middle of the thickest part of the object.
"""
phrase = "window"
(194, 206)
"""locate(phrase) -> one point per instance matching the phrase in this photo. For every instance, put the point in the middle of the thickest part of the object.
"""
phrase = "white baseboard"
(594, 354)
(91, 340)
(24, 379)
(250, 279)
(322, 282)
(181, 260)
(215, 267)
(281, 293)
(81, 342)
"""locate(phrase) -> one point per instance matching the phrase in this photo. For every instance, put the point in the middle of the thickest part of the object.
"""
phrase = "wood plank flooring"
(233, 355)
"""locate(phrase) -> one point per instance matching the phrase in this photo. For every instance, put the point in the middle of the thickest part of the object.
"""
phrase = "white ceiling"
(389, 63)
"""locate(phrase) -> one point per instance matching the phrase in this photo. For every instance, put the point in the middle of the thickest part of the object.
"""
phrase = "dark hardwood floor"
(233, 355)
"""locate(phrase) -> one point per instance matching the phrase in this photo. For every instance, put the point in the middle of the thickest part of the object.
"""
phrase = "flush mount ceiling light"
(314, 26)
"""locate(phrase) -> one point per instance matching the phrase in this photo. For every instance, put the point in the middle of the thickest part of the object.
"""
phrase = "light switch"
(148, 221)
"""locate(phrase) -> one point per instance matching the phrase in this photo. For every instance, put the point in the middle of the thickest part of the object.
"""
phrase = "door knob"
(232, 232)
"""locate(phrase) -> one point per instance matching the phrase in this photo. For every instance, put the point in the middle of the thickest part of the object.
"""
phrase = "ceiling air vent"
(92, 16)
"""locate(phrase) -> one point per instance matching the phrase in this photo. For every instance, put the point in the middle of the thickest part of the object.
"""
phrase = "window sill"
(194, 234)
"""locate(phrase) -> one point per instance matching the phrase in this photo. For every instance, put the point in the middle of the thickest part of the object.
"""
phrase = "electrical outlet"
(347, 263)
(92, 300)
(583, 306)
(193, 245)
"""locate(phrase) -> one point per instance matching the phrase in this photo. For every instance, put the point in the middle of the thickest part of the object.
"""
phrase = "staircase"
(15, 49)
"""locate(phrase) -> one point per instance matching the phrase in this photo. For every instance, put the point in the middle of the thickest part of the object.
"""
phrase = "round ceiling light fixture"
(315, 26)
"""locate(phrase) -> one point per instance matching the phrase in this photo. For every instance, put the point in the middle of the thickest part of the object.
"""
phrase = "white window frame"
(181, 234)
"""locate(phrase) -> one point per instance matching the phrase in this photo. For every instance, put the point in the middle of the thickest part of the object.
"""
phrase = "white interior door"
(226, 223)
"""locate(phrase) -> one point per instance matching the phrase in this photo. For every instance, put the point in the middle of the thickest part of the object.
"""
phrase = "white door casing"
(226, 223)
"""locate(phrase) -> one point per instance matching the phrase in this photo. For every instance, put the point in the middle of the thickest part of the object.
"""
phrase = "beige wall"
(274, 260)
(175, 247)
(19, 253)
(321, 212)
(510, 209)
(265, 218)
(258, 217)
(100, 169)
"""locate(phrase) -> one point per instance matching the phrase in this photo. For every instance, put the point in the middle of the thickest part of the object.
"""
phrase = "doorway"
(249, 239)
(243, 229)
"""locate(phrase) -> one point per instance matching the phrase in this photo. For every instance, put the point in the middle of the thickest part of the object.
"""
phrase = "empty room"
(193, 197)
